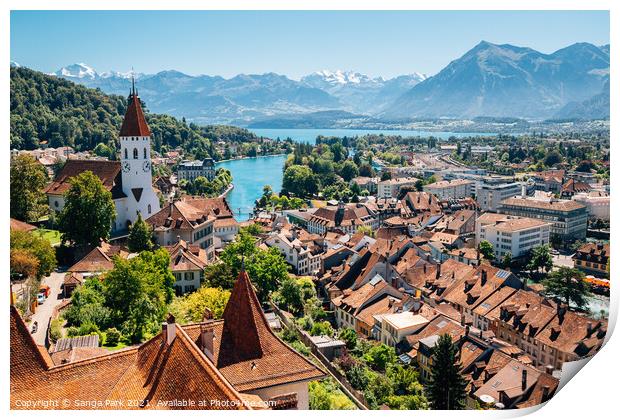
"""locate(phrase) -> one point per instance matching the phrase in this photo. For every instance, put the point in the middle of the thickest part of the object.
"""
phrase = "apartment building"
(304, 259)
(516, 236)
(569, 219)
(192, 169)
(489, 196)
(447, 190)
(391, 188)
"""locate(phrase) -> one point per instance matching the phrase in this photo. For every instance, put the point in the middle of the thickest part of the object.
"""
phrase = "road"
(44, 311)
(563, 260)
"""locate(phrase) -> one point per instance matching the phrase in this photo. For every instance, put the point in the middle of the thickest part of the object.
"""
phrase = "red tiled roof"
(246, 351)
(21, 226)
(107, 171)
(134, 123)
(98, 260)
(155, 372)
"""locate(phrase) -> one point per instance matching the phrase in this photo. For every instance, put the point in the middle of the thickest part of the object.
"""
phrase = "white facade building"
(447, 190)
(489, 196)
(391, 187)
(513, 235)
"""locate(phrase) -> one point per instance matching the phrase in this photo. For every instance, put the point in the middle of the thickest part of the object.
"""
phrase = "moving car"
(40, 298)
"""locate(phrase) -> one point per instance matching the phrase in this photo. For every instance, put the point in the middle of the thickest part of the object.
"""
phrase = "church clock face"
(126, 167)
(146, 166)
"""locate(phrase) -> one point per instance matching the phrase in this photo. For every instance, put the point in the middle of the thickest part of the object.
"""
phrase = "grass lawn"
(51, 235)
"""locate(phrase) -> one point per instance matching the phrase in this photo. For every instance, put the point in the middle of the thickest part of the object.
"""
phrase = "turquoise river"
(252, 174)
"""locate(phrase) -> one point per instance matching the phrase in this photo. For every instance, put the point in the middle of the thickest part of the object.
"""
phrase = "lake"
(306, 135)
(249, 177)
(252, 174)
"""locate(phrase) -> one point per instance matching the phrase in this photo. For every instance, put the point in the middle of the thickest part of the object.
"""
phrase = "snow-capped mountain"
(78, 71)
(361, 93)
(15, 64)
(488, 80)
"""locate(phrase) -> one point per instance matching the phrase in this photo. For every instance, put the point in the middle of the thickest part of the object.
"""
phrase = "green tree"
(138, 291)
(322, 328)
(486, 249)
(267, 270)
(568, 285)
(219, 274)
(289, 296)
(349, 336)
(379, 357)
(28, 179)
(540, 258)
(447, 387)
(507, 260)
(89, 211)
(349, 170)
(104, 150)
(191, 307)
(300, 181)
(139, 236)
(38, 247)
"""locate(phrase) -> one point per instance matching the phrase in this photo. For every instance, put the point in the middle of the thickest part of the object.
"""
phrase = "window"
(149, 209)
(145, 153)
(126, 153)
(135, 153)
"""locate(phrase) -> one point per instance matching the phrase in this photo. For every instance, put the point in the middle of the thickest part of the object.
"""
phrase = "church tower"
(137, 180)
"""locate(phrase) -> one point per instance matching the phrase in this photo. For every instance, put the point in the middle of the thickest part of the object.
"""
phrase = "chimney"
(424, 268)
(524, 379)
(590, 330)
(467, 331)
(561, 312)
(206, 341)
(483, 277)
(169, 328)
(462, 319)
(523, 191)
(545, 393)
(438, 274)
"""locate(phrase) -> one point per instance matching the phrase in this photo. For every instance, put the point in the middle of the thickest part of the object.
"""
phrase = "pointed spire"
(244, 324)
(134, 123)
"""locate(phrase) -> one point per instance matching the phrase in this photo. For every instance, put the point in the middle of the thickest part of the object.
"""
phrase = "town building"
(455, 188)
(190, 170)
(572, 187)
(549, 181)
(593, 258)
(489, 196)
(168, 367)
(129, 180)
(597, 203)
(514, 236)
(250, 355)
(305, 259)
(185, 220)
(347, 218)
(366, 183)
(187, 263)
(391, 188)
(569, 218)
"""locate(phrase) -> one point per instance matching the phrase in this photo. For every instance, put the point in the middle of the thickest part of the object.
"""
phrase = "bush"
(73, 332)
(300, 347)
(112, 337)
(56, 329)
(305, 323)
(380, 357)
(358, 377)
(349, 336)
(322, 328)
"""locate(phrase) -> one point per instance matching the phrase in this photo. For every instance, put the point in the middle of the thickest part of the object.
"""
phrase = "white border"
(591, 394)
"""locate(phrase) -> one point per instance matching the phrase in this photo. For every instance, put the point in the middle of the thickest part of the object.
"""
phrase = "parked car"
(40, 298)
(45, 289)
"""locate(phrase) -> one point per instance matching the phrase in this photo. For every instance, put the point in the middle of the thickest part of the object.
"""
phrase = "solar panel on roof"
(442, 324)
(502, 274)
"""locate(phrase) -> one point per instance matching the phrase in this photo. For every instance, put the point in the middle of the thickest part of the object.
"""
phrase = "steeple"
(134, 124)
(245, 325)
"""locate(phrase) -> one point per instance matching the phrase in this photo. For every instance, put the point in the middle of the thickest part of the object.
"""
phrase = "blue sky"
(291, 43)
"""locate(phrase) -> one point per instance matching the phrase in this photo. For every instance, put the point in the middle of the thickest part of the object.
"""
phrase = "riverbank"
(249, 157)
(228, 189)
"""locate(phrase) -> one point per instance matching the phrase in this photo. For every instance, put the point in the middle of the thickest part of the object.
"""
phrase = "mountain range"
(489, 80)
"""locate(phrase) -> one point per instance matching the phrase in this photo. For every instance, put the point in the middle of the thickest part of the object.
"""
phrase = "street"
(44, 311)
(562, 260)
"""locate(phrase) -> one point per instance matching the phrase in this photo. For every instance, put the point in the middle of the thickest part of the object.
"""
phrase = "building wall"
(300, 388)
(518, 243)
(187, 281)
(489, 197)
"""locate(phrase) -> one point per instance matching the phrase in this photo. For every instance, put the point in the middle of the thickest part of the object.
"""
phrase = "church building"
(129, 179)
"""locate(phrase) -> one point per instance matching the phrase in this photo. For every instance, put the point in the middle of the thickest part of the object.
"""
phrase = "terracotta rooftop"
(134, 123)
(157, 371)
(21, 226)
(98, 260)
(557, 205)
(184, 214)
(107, 171)
(246, 351)
(186, 257)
